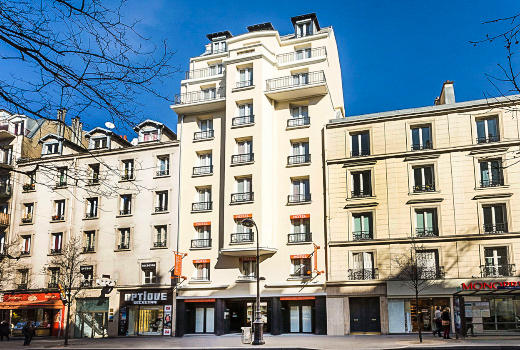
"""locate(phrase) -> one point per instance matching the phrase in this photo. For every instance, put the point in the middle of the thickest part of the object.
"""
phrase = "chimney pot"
(447, 95)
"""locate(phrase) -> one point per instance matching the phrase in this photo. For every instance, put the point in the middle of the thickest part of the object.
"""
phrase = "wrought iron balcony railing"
(430, 273)
(201, 243)
(123, 246)
(299, 159)
(418, 146)
(86, 283)
(299, 237)
(161, 209)
(295, 122)
(242, 158)
(244, 120)
(203, 170)
(360, 193)
(424, 188)
(299, 198)
(301, 55)
(126, 211)
(495, 228)
(159, 244)
(426, 232)
(504, 270)
(52, 285)
(127, 176)
(199, 96)
(488, 139)
(242, 197)
(203, 135)
(93, 181)
(360, 153)
(492, 182)
(90, 215)
(204, 72)
(362, 235)
(58, 217)
(25, 252)
(88, 249)
(56, 251)
(21, 286)
(28, 187)
(293, 81)
(62, 183)
(362, 274)
(162, 172)
(243, 237)
(201, 206)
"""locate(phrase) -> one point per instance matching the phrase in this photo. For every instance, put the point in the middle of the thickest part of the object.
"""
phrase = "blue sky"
(393, 54)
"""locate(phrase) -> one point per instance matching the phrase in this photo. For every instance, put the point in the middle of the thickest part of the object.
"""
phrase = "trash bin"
(246, 335)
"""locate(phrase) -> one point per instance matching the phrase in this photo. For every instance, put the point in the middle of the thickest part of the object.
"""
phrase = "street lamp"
(258, 323)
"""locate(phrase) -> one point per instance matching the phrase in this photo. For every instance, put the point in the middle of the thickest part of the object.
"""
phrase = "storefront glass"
(403, 314)
(497, 313)
(91, 319)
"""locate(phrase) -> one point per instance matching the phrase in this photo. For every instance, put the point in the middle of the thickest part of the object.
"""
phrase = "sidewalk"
(355, 342)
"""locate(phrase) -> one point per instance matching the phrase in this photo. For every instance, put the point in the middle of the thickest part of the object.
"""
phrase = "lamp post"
(258, 323)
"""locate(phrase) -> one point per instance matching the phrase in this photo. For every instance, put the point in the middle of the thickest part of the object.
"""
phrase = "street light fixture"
(258, 323)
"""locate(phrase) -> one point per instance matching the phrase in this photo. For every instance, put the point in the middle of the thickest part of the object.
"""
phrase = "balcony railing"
(505, 270)
(492, 182)
(127, 177)
(424, 188)
(201, 243)
(488, 139)
(244, 120)
(88, 249)
(495, 228)
(61, 183)
(360, 194)
(86, 283)
(160, 244)
(245, 83)
(299, 159)
(203, 170)
(90, 215)
(21, 286)
(362, 235)
(201, 206)
(28, 187)
(299, 237)
(362, 274)
(126, 211)
(426, 232)
(242, 158)
(418, 146)
(203, 135)
(52, 285)
(25, 252)
(293, 81)
(199, 96)
(360, 153)
(299, 198)
(246, 237)
(161, 209)
(59, 217)
(4, 219)
(430, 273)
(204, 73)
(295, 122)
(301, 55)
(123, 246)
(242, 197)
(162, 172)
(56, 251)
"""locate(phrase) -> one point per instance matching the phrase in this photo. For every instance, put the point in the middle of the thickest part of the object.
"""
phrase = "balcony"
(123, 246)
(297, 86)
(492, 182)
(488, 139)
(90, 215)
(56, 251)
(52, 285)
(299, 237)
(242, 197)
(126, 211)
(505, 270)
(201, 243)
(243, 121)
(201, 206)
(424, 188)
(4, 219)
(203, 135)
(204, 73)
(495, 228)
(419, 147)
(362, 274)
(242, 84)
(360, 153)
(28, 187)
(294, 57)
(58, 217)
(426, 232)
(299, 159)
(162, 173)
(430, 273)
(161, 209)
(199, 101)
(298, 198)
(160, 244)
(298, 122)
(360, 194)
(88, 249)
(127, 177)
(362, 235)
(240, 238)
(25, 253)
(202, 170)
(242, 158)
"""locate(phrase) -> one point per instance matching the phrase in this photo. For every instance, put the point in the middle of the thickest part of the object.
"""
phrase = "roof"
(261, 26)
(50, 136)
(160, 125)
(106, 132)
(311, 16)
(225, 33)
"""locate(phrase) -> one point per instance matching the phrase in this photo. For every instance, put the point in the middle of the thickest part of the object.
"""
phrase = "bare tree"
(69, 276)
(9, 257)
(77, 54)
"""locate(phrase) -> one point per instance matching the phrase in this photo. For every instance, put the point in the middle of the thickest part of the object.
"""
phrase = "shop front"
(46, 310)
(91, 319)
(145, 312)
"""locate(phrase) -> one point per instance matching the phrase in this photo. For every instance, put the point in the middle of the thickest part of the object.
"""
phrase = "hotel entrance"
(241, 313)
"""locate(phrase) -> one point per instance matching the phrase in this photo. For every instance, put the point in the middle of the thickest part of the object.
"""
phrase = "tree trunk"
(67, 322)
(419, 315)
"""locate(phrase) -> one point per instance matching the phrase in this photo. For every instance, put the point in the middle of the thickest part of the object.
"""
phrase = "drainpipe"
(179, 185)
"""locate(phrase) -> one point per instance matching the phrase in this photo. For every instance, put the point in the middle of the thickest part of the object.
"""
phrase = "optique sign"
(146, 298)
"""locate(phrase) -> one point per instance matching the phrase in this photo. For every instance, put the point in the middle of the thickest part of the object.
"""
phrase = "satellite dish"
(110, 125)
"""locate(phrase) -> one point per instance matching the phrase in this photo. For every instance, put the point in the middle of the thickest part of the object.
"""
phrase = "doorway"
(364, 315)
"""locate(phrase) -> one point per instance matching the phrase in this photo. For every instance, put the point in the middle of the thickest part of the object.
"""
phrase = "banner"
(177, 271)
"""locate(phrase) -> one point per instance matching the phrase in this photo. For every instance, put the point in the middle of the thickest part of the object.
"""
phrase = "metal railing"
(125, 211)
(299, 159)
(299, 198)
(362, 274)
(242, 197)
(418, 146)
(360, 153)
(505, 270)
(90, 215)
(299, 237)
(93, 181)
(245, 83)
(301, 55)
(492, 182)
(201, 243)
(243, 120)
(56, 251)
(362, 235)
(88, 249)
(424, 188)
(426, 232)
(57, 217)
(4, 219)
(300, 121)
(242, 158)
(86, 283)
(159, 244)
(204, 72)
(203, 170)
(25, 252)
(28, 187)
(292, 81)
(161, 209)
(62, 183)
(199, 96)
(495, 228)
(52, 285)
(203, 135)
(245, 237)
(488, 139)
(201, 206)
(128, 176)
(360, 193)
(122, 246)
(430, 273)
(21, 286)
(162, 172)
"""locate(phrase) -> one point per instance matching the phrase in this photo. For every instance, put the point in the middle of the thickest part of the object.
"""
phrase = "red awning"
(26, 304)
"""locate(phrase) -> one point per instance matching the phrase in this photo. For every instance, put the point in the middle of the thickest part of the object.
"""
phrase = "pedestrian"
(5, 329)
(28, 332)
(437, 321)
(445, 318)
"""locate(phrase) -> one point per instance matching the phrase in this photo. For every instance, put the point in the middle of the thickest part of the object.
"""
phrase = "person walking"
(438, 322)
(5, 329)
(28, 332)
(445, 319)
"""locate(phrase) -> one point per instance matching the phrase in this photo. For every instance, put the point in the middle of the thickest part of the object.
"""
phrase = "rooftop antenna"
(110, 125)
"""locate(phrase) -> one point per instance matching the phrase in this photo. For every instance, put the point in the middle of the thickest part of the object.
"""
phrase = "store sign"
(300, 216)
(202, 223)
(300, 256)
(242, 216)
(86, 269)
(31, 297)
(146, 297)
(490, 285)
(148, 266)
(201, 261)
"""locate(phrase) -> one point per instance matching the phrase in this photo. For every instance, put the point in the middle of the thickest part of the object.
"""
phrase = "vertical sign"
(167, 329)
(177, 271)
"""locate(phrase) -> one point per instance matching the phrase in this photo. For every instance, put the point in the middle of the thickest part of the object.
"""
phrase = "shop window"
(362, 266)
(54, 277)
(149, 273)
(123, 239)
(87, 273)
(90, 240)
(125, 204)
(27, 216)
(161, 201)
(26, 244)
(201, 272)
(300, 317)
(160, 236)
(128, 169)
(362, 226)
(361, 184)
(495, 218)
(56, 242)
(59, 210)
(163, 165)
(204, 320)
(426, 223)
(301, 267)
(92, 208)
(497, 263)
(487, 130)
(423, 179)
(491, 173)
(421, 137)
(360, 144)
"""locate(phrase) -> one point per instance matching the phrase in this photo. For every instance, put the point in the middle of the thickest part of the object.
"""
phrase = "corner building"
(251, 113)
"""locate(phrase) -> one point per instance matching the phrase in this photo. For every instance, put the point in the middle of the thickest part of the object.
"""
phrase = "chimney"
(77, 130)
(60, 128)
(447, 94)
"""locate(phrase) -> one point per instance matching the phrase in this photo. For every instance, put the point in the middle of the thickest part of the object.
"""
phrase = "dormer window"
(51, 148)
(100, 142)
(303, 28)
(218, 46)
(19, 128)
(150, 135)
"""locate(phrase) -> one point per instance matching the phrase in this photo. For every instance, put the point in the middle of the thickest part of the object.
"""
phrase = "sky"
(393, 54)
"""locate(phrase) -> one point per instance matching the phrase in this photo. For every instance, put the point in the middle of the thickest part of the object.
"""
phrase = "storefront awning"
(26, 304)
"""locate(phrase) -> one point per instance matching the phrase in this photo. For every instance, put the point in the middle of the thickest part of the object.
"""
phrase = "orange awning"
(26, 304)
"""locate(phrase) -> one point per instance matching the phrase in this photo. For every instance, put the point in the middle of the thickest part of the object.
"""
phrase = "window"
(426, 223)
(125, 204)
(421, 137)
(301, 267)
(2, 243)
(62, 177)
(87, 272)
(205, 166)
(160, 236)
(54, 279)
(51, 148)
(128, 169)
(428, 264)
(243, 234)
(360, 144)
(209, 93)
(216, 69)
(301, 231)
(300, 78)
(92, 208)
(206, 130)
(161, 201)
(303, 29)
(303, 53)
(59, 210)
(299, 116)
(202, 199)
(28, 210)
(218, 47)
(99, 142)
(362, 266)
(362, 226)
(245, 76)
(300, 189)
(23, 278)
(94, 174)
(300, 153)
(149, 273)
(496, 263)
(124, 239)
(244, 152)
(202, 236)
(423, 179)
(6, 155)
(244, 192)
(491, 174)
(245, 115)
(149, 135)
(19, 128)
(163, 165)
(26, 245)
(495, 218)
(56, 242)
(31, 182)
(90, 241)
(487, 130)
(201, 271)
(248, 268)
(361, 182)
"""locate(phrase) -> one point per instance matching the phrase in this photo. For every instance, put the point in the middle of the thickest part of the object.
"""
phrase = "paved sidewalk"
(356, 342)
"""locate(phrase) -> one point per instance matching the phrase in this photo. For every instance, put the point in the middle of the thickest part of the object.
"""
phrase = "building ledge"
(247, 251)
(492, 195)
(361, 205)
(203, 286)
(424, 200)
